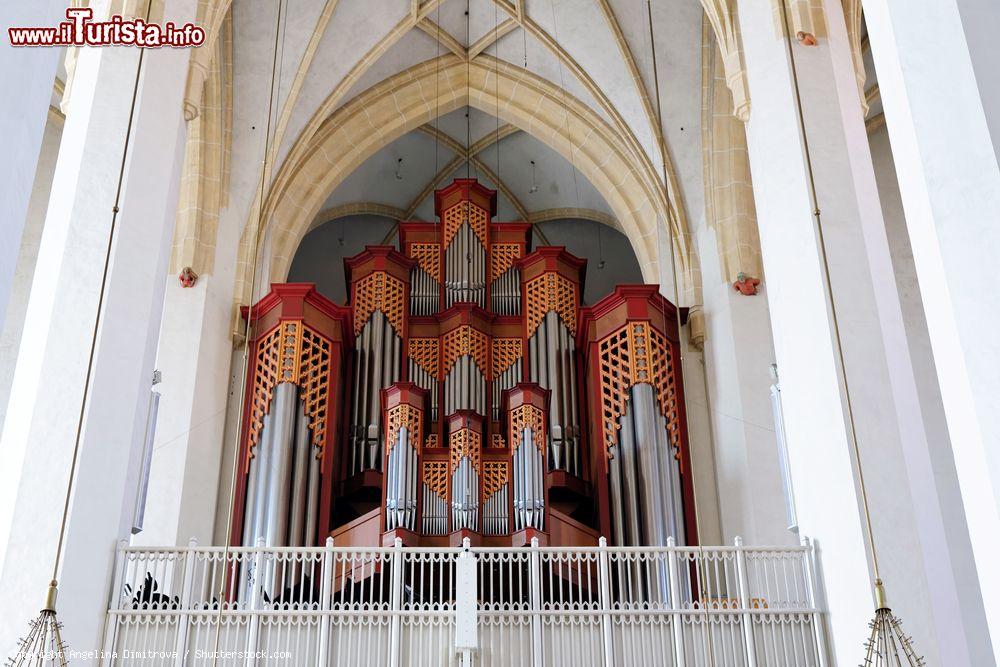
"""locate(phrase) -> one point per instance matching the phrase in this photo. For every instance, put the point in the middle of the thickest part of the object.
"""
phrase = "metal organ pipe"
(506, 293)
(507, 379)
(435, 517)
(426, 381)
(529, 495)
(465, 269)
(465, 496)
(378, 359)
(423, 292)
(645, 478)
(283, 484)
(401, 489)
(551, 352)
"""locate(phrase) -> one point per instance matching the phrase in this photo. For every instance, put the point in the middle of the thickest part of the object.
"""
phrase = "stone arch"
(415, 96)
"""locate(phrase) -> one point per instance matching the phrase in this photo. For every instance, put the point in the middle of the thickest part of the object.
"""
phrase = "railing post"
(466, 613)
(253, 621)
(115, 603)
(325, 603)
(396, 601)
(183, 618)
(809, 574)
(535, 593)
(741, 582)
(676, 604)
(604, 573)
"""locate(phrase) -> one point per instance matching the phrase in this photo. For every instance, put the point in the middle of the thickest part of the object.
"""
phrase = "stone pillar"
(27, 78)
(936, 65)
(38, 435)
(910, 497)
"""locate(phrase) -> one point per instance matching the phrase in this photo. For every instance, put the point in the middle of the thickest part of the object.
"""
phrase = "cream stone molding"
(445, 38)
(359, 208)
(205, 175)
(398, 105)
(722, 17)
(492, 36)
(729, 200)
(852, 15)
(210, 15)
(571, 213)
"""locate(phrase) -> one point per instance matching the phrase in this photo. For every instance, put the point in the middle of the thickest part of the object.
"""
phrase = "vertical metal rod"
(748, 634)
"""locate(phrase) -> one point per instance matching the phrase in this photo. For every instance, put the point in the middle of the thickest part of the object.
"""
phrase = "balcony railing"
(680, 606)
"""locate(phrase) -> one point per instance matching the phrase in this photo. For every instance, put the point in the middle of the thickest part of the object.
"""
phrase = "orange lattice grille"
(379, 291)
(505, 352)
(502, 257)
(293, 353)
(428, 256)
(431, 441)
(424, 352)
(527, 416)
(400, 416)
(465, 340)
(494, 477)
(497, 440)
(465, 442)
(436, 477)
(452, 219)
(550, 291)
(634, 354)
(314, 381)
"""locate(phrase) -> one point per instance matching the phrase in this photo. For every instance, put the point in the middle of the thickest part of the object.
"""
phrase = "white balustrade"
(732, 606)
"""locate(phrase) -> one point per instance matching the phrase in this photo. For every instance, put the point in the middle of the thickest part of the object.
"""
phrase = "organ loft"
(465, 391)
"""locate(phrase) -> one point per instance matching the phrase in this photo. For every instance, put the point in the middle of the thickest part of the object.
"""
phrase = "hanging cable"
(44, 636)
(264, 178)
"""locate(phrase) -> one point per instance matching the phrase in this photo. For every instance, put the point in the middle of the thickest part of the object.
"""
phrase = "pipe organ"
(464, 391)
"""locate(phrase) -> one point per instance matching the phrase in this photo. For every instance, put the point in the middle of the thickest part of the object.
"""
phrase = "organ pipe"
(377, 361)
(552, 354)
(506, 293)
(529, 484)
(401, 483)
(283, 481)
(465, 269)
(644, 476)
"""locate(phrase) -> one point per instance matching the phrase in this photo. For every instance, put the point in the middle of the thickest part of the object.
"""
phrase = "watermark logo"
(80, 29)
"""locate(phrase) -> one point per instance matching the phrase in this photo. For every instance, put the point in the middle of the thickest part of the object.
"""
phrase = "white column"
(909, 496)
(38, 434)
(26, 79)
(937, 71)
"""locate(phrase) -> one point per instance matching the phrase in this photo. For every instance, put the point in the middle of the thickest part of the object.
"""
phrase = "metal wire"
(246, 331)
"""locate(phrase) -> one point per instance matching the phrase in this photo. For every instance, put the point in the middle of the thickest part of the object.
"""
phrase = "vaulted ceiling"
(595, 51)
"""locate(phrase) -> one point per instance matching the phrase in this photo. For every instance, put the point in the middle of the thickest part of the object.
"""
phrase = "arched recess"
(415, 96)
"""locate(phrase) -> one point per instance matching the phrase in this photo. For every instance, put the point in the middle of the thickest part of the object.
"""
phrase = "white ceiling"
(571, 43)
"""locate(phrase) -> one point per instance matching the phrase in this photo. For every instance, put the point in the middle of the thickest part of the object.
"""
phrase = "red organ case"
(464, 392)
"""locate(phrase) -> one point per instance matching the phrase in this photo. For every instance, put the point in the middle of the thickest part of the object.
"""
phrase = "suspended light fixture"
(534, 184)
(43, 645)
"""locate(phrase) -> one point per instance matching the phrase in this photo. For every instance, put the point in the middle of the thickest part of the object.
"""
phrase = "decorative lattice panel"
(634, 354)
(398, 417)
(494, 477)
(428, 256)
(465, 442)
(453, 218)
(505, 352)
(424, 352)
(527, 416)
(293, 353)
(265, 378)
(431, 441)
(379, 291)
(551, 291)
(497, 440)
(465, 340)
(436, 477)
(502, 257)
(314, 381)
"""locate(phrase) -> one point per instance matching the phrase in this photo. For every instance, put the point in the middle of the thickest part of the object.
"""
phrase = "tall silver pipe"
(312, 519)
(300, 480)
(615, 487)
(279, 471)
(630, 493)
(643, 413)
(250, 500)
(574, 408)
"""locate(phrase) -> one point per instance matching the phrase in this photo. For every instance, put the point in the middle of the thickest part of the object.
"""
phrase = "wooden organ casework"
(464, 391)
